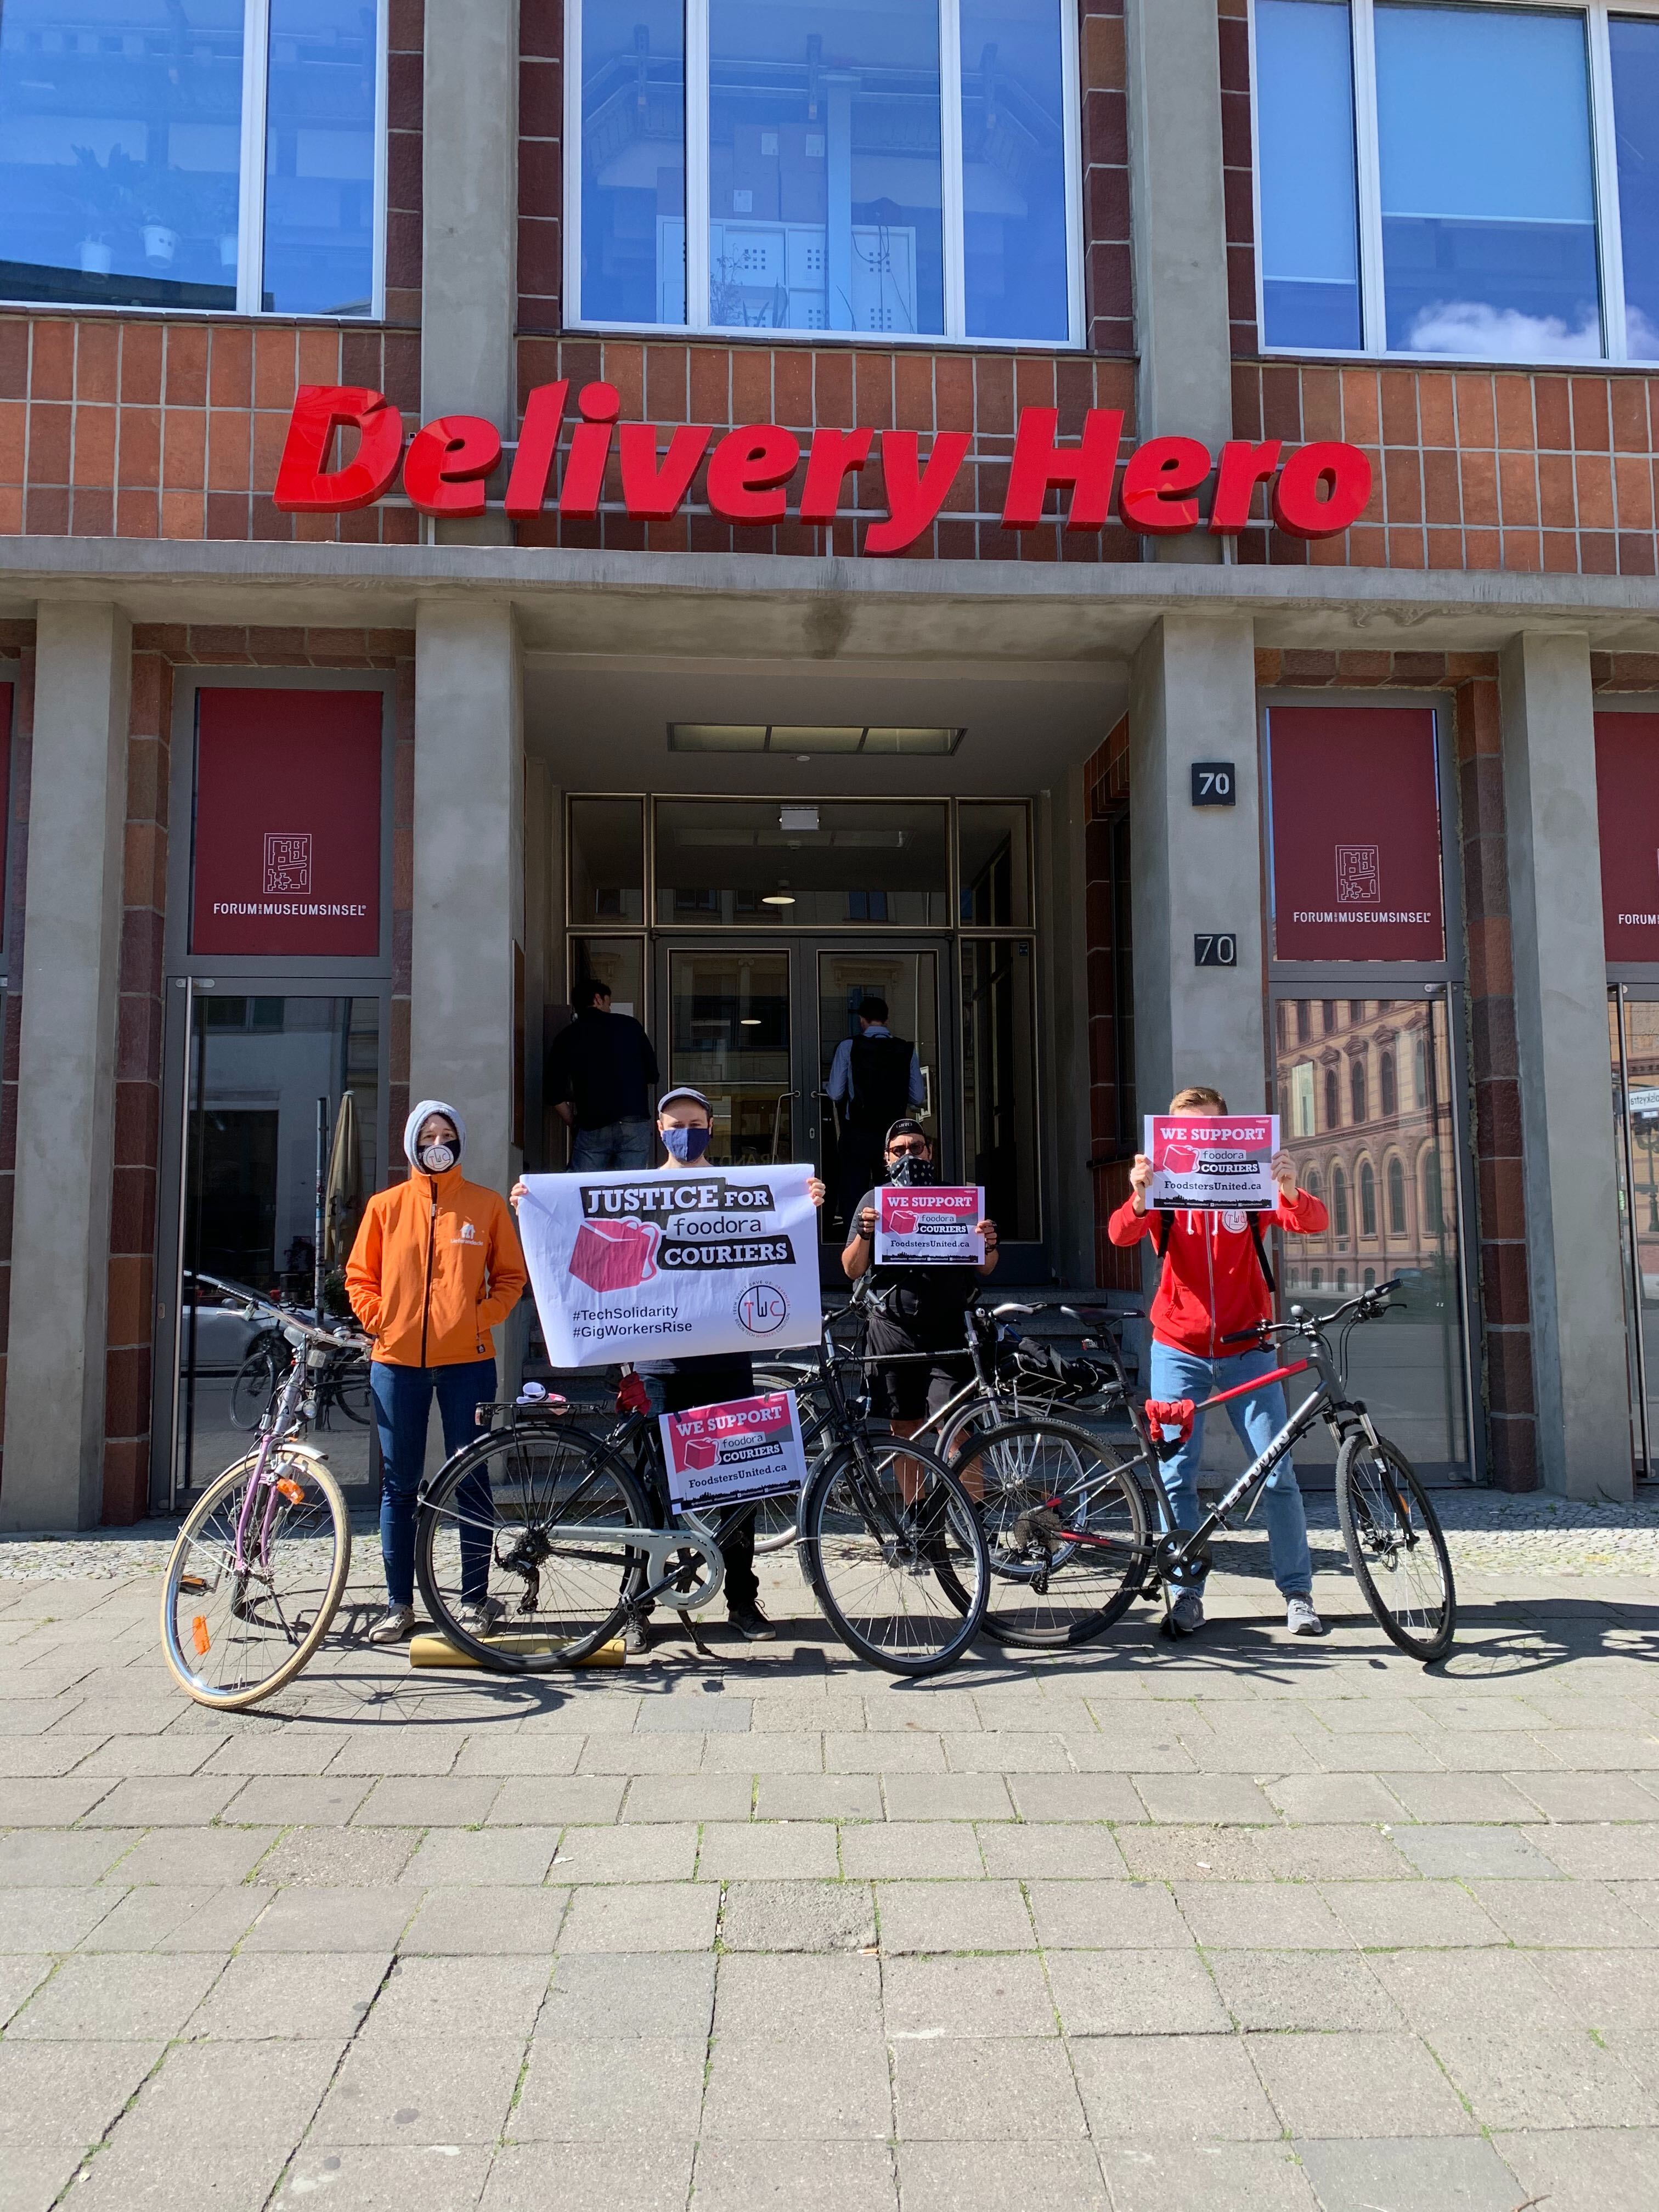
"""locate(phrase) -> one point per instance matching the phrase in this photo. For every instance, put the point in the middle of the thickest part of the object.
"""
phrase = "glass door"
(281, 1092)
(1633, 1037)
(1366, 1093)
(846, 977)
(728, 1033)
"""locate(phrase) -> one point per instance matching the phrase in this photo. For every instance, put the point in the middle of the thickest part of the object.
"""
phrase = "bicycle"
(536, 1541)
(1070, 1527)
(260, 1566)
(342, 1387)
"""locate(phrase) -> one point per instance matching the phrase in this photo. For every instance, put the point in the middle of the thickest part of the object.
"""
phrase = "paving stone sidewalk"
(1245, 1925)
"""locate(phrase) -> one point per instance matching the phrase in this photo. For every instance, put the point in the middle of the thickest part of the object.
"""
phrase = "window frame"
(697, 324)
(251, 198)
(1604, 166)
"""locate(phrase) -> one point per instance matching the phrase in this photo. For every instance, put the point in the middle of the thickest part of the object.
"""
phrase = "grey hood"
(418, 1113)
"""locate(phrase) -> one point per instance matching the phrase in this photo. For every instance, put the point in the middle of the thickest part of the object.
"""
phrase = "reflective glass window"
(1634, 44)
(1013, 171)
(320, 158)
(1487, 192)
(1310, 233)
(825, 200)
(633, 157)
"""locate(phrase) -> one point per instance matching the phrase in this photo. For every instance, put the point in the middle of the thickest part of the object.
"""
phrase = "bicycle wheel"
(892, 1547)
(348, 1389)
(232, 1638)
(489, 1530)
(255, 1386)
(1396, 1548)
(775, 1518)
(1032, 1480)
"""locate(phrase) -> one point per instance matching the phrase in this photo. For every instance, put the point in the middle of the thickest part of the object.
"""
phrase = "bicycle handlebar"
(336, 1339)
(1364, 1305)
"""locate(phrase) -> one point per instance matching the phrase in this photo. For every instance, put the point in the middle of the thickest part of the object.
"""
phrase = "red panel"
(1628, 801)
(288, 824)
(5, 794)
(1356, 834)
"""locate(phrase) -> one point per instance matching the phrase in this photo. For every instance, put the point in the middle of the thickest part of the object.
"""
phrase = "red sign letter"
(590, 449)
(748, 466)
(835, 455)
(913, 498)
(538, 440)
(1155, 476)
(1038, 463)
(653, 493)
(447, 463)
(1297, 507)
(1244, 466)
(304, 486)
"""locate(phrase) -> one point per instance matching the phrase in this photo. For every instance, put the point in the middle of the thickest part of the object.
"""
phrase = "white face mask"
(434, 1158)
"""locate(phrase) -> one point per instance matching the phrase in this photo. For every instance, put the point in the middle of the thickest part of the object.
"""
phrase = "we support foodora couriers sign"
(634, 1265)
(747, 1447)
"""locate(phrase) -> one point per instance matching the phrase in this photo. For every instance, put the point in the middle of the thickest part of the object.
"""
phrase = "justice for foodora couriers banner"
(632, 1265)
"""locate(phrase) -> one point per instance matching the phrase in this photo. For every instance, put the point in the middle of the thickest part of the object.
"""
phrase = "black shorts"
(904, 1392)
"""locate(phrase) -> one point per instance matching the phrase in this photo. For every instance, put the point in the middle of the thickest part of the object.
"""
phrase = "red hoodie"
(1212, 1284)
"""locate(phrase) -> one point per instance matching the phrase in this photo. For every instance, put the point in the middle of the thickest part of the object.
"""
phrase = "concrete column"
(1063, 890)
(1179, 230)
(1561, 1035)
(54, 1467)
(1192, 696)
(469, 222)
(469, 873)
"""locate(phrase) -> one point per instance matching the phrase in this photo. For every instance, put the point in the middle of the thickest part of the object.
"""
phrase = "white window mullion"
(951, 176)
(1071, 79)
(572, 150)
(1608, 230)
(250, 203)
(696, 164)
(1368, 179)
(1255, 207)
(382, 128)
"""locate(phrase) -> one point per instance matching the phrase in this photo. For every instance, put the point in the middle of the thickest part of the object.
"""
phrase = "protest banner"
(632, 1265)
(746, 1448)
(1218, 1165)
(929, 1226)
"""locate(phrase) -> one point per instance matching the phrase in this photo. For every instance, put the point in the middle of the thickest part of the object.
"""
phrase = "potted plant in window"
(102, 195)
(158, 215)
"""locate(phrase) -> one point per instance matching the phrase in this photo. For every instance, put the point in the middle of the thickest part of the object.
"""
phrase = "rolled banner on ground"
(631, 1264)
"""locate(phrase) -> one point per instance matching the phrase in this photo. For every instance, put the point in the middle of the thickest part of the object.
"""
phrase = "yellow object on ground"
(439, 1651)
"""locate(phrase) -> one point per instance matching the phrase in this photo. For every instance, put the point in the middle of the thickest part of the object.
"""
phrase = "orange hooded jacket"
(436, 1263)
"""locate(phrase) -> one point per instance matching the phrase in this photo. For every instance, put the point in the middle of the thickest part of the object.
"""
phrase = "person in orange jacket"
(436, 1265)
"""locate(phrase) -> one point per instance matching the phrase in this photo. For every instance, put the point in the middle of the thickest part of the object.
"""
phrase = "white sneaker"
(482, 1617)
(394, 1625)
(1187, 1614)
(1300, 1618)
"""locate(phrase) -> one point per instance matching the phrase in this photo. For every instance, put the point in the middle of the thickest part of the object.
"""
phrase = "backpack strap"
(1261, 1254)
(1160, 1229)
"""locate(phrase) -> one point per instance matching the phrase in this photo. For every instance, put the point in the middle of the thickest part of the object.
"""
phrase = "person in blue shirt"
(875, 1079)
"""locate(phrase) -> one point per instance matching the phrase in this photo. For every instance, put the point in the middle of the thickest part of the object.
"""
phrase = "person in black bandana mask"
(917, 1309)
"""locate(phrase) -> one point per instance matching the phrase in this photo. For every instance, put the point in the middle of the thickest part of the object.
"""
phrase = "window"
(1386, 1084)
(1332, 1100)
(1327, 1015)
(1396, 1180)
(1477, 180)
(221, 153)
(1433, 1216)
(823, 165)
(1312, 1185)
(1304, 1021)
(1356, 1089)
(1338, 1204)
(1302, 1099)
(1367, 1199)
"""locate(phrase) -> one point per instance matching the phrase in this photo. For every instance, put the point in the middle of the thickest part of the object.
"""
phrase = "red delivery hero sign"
(1627, 802)
(286, 857)
(1356, 834)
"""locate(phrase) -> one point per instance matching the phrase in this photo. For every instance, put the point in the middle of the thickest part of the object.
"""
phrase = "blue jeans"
(1257, 1418)
(617, 1145)
(403, 1404)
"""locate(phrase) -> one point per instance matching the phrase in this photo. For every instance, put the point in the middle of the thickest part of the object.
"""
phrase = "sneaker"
(1300, 1618)
(636, 1636)
(482, 1617)
(752, 1624)
(395, 1625)
(1187, 1614)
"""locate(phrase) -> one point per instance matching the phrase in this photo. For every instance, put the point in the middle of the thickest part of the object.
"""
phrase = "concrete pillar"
(1561, 1035)
(470, 221)
(1063, 891)
(468, 924)
(1192, 696)
(1179, 230)
(54, 1463)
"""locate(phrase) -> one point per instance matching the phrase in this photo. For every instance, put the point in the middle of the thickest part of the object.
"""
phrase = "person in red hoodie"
(1215, 1283)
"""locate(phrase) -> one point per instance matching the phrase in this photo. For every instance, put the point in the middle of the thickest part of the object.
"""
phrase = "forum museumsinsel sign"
(1316, 490)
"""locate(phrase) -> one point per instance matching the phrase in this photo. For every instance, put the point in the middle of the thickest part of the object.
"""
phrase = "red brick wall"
(541, 153)
(17, 667)
(1237, 171)
(406, 37)
(1505, 1348)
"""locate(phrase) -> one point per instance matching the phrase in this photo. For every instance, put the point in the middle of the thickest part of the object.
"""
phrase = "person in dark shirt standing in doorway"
(874, 1079)
(601, 1078)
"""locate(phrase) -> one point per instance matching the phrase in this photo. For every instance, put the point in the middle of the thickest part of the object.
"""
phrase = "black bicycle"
(536, 1541)
(1078, 1527)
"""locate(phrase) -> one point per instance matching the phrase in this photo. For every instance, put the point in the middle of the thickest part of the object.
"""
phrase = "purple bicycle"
(260, 1564)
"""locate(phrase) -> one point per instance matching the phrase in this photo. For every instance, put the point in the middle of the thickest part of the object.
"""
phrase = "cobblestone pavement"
(1246, 1924)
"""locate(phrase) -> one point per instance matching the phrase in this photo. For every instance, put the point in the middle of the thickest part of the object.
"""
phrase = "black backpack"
(881, 1082)
(1165, 1223)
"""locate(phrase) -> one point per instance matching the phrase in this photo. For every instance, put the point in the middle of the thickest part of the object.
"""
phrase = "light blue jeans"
(1257, 1418)
(617, 1145)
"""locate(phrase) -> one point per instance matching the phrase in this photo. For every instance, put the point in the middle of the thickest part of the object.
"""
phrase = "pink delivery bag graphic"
(615, 1255)
(746, 1448)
